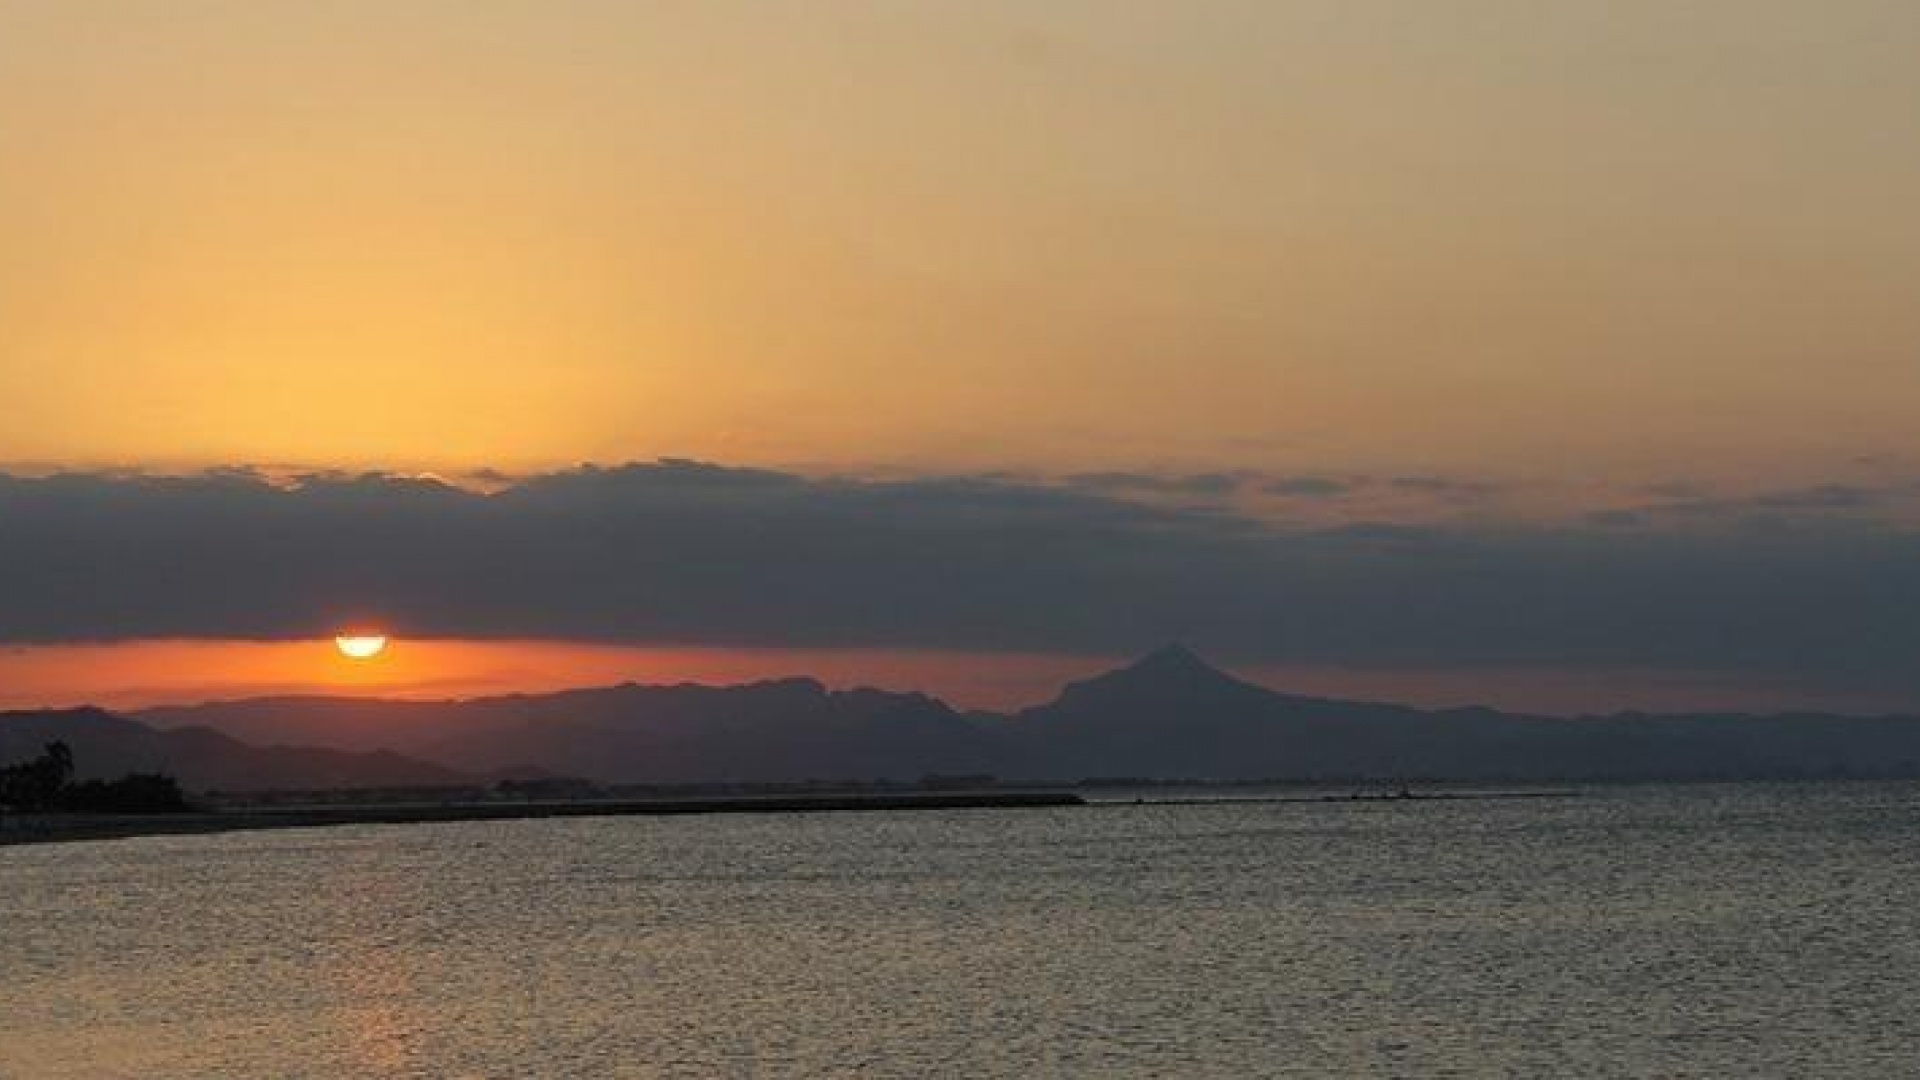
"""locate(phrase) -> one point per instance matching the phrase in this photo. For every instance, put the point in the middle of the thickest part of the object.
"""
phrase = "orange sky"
(1621, 240)
(1579, 249)
(134, 674)
(151, 672)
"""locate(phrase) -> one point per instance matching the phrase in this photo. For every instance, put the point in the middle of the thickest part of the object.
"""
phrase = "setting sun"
(361, 646)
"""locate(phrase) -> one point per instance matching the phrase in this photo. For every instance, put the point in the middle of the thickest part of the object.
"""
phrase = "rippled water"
(1707, 931)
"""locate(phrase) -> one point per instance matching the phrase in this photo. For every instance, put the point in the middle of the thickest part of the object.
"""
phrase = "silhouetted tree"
(136, 793)
(37, 784)
(46, 783)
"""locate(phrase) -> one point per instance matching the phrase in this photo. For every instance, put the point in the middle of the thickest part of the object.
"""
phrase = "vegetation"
(46, 784)
(37, 784)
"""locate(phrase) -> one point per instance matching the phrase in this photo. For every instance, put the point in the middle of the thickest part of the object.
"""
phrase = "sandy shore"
(51, 828)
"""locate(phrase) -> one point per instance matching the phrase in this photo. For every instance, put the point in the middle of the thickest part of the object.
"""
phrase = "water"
(1706, 931)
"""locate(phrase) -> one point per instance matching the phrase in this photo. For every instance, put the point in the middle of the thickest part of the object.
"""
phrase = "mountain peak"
(1171, 671)
(1172, 656)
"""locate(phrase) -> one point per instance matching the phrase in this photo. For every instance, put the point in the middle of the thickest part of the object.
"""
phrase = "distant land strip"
(1354, 797)
(47, 828)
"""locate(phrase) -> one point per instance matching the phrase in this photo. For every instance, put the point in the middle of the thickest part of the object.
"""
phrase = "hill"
(1170, 715)
(106, 746)
(789, 729)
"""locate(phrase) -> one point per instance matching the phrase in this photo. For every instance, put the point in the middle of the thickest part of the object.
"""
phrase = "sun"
(360, 646)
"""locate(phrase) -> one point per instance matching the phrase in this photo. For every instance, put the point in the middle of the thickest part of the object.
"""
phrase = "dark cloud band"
(684, 552)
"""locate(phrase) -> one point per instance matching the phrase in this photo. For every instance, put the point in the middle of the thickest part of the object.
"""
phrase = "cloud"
(1302, 486)
(1679, 503)
(1242, 487)
(1823, 497)
(1451, 488)
(688, 552)
(1308, 487)
(1205, 485)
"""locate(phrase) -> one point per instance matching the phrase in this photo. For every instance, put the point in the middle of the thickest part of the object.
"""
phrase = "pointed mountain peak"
(1173, 657)
(1167, 684)
(1170, 671)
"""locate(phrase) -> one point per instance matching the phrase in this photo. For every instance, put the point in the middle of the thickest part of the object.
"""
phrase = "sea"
(1711, 930)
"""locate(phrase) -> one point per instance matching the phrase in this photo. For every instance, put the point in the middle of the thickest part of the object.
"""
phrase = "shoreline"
(21, 830)
(1355, 797)
(68, 828)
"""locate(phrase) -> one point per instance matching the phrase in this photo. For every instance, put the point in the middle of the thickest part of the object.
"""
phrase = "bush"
(136, 793)
(46, 783)
(37, 784)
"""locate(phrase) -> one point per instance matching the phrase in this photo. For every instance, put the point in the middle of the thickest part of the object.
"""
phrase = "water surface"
(1693, 931)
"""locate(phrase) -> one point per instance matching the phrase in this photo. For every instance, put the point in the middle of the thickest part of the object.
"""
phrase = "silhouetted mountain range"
(202, 759)
(1169, 715)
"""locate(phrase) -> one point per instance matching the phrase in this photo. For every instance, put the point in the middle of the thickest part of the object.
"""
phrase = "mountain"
(1168, 715)
(789, 729)
(1173, 715)
(106, 746)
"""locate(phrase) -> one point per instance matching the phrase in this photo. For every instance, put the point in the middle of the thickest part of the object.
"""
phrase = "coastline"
(20, 830)
(68, 828)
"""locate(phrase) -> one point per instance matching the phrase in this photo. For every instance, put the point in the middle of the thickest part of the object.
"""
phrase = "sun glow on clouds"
(131, 675)
(139, 673)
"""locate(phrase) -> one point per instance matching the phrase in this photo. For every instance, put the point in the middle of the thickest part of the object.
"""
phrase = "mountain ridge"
(106, 745)
(1169, 714)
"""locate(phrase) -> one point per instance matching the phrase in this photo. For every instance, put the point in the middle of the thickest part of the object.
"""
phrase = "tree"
(135, 793)
(37, 784)
(46, 783)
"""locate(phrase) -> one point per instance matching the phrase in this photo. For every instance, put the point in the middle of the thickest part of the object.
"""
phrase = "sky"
(1556, 355)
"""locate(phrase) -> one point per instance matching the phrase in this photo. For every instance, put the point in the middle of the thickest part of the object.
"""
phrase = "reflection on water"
(383, 1032)
(1710, 931)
